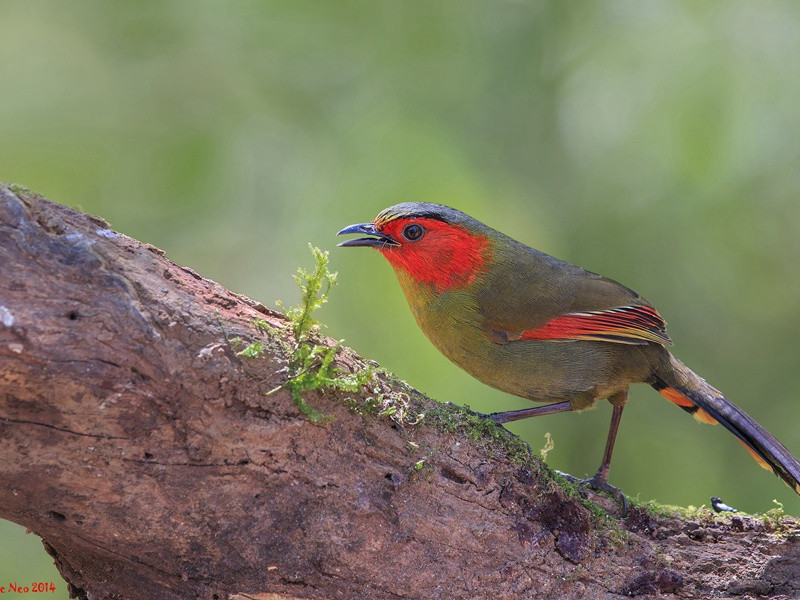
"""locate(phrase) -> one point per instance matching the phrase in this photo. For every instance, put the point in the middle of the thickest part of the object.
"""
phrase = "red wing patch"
(623, 325)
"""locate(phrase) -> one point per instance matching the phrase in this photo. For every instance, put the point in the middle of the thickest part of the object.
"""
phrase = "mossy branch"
(181, 433)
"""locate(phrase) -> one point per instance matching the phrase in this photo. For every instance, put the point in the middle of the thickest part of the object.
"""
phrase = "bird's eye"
(413, 232)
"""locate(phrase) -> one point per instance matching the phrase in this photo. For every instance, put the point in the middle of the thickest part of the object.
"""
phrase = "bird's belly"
(545, 371)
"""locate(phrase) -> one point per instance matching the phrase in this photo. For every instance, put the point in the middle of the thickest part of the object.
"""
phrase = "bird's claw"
(599, 484)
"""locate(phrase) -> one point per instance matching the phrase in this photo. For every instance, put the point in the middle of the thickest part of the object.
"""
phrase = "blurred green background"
(656, 142)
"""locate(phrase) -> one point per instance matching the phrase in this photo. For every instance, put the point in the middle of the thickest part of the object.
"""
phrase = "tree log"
(142, 448)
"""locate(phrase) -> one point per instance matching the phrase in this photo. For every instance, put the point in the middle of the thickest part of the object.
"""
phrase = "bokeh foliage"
(656, 142)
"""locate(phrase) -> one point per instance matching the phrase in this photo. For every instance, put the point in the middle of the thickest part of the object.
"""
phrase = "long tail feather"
(680, 385)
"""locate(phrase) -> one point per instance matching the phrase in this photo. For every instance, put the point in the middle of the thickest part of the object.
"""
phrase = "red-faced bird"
(537, 327)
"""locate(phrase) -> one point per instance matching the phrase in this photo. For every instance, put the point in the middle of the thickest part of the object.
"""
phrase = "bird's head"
(434, 244)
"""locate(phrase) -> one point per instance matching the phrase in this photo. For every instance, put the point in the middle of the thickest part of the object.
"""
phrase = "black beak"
(380, 240)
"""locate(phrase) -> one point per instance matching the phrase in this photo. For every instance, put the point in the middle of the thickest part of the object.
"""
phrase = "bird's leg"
(616, 417)
(536, 411)
(600, 480)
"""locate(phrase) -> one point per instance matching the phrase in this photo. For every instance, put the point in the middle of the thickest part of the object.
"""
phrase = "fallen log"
(142, 445)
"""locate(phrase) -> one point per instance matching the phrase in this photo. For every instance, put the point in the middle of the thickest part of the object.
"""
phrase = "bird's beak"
(379, 240)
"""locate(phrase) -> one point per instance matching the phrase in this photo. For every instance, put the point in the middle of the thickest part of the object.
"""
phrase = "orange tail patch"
(761, 462)
(676, 397)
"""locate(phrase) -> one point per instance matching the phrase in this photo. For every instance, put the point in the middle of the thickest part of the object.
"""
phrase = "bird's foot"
(599, 484)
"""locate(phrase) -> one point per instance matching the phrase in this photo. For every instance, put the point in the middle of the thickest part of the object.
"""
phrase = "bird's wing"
(632, 324)
(543, 298)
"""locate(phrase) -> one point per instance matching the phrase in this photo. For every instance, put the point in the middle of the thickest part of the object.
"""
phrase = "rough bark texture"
(144, 452)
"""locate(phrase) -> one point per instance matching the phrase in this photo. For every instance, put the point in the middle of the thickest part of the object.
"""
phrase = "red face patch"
(445, 256)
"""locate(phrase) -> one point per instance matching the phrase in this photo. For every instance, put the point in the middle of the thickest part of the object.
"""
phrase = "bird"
(719, 506)
(537, 327)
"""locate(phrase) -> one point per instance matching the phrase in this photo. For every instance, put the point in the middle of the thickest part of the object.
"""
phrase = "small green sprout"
(253, 350)
(262, 325)
(549, 444)
(773, 517)
(310, 365)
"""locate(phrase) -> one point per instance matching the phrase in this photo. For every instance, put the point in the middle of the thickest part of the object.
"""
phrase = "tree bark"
(143, 450)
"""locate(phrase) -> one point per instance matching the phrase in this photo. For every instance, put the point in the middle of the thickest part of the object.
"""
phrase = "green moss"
(776, 518)
(390, 397)
(690, 512)
(310, 364)
(253, 350)
(453, 419)
(18, 188)
(365, 407)
(262, 325)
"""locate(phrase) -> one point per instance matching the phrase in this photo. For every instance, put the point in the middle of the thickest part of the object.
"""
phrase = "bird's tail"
(680, 385)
